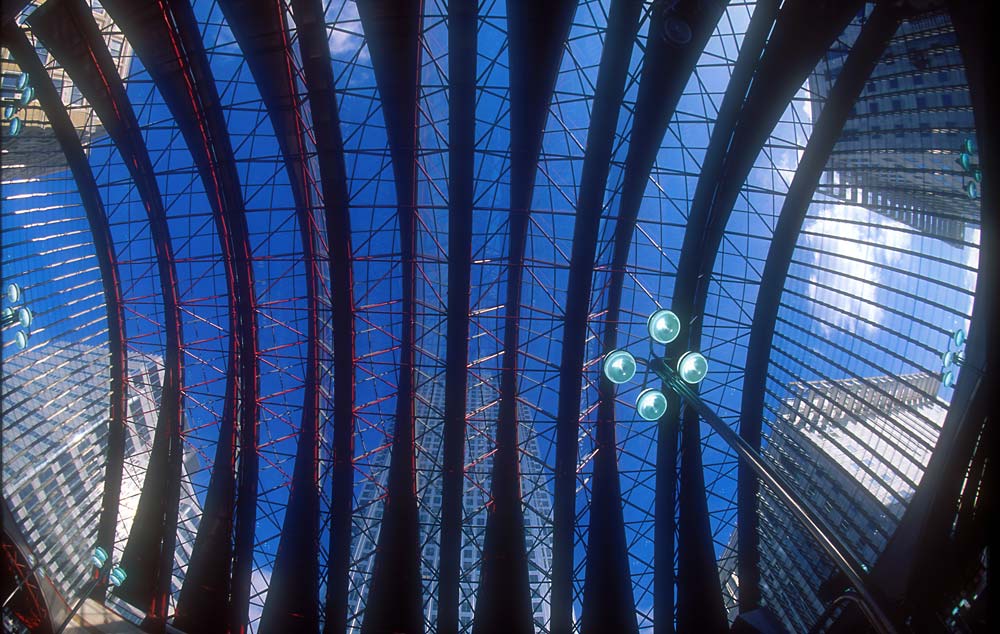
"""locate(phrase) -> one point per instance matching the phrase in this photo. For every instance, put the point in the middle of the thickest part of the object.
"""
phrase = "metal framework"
(859, 65)
(62, 127)
(391, 185)
(394, 604)
(71, 34)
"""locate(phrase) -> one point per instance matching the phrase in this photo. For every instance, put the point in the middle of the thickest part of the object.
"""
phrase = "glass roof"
(866, 295)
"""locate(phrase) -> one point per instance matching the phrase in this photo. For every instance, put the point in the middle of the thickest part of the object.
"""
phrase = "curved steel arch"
(165, 36)
(462, 35)
(65, 133)
(664, 76)
(654, 109)
(801, 35)
(68, 30)
(536, 33)
(310, 24)
(607, 604)
(261, 30)
(395, 603)
(862, 59)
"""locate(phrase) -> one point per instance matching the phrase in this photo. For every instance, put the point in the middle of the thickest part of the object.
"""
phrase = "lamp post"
(620, 366)
(98, 561)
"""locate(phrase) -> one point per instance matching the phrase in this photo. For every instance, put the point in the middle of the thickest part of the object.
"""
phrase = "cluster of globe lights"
(951, 360)
(20, 315)
(620, 365)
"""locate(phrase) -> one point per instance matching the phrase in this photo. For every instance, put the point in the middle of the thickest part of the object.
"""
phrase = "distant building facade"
(479, 444)
(29, 145)
(55, 428)
(898, 152)
(855, 450)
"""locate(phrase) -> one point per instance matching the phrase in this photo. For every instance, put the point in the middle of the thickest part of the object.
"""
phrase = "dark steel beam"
(310, 22)
(11, 10)
(921, 545)
(69, 32)
(666, 69)
(536, 35)
(608, 605)
(858, 66)
(802, 33)
(395, 598)
(261, 29)
(463, 27)
(107, 261)
(164, 35)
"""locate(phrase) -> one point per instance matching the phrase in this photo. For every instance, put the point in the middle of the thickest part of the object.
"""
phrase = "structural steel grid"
(325, 287)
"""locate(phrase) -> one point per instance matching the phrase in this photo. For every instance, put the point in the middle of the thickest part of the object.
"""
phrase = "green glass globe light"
(22, 81)
(9, 112)
(651, 404)
(118, 576)
(15, 126)
(21, 338)
(972, 190)
(26, 96)
(958, 337)
(947, 358)
(969, 146)
(24, 316)
(14, 292)
(977, 174)
(663, 326)
(965, 161)
(692, 367)
(619, 366)
(948, 378)
(99, 557)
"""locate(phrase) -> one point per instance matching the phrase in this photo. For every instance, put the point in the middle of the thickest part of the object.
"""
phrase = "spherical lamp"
(619, 366)
(651, 404)
(692, 367)
(663, 326)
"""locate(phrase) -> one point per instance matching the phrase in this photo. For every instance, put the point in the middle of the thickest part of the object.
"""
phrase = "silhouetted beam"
(666, 69)
(536, 35)
(69, 32)
(462, 46)
(10, 10)
(858, 66)
(310, 22)
(107, 261)
(261, 29)
(165, 36)
(802, 34)
(395, 601)
(608, 605)
(900, 571)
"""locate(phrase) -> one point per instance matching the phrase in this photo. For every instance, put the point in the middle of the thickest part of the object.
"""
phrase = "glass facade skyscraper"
(899, 151)
(855, 450)
(55, 429)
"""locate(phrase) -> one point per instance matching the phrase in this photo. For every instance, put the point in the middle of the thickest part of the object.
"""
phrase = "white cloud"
(344, 30)
(846, 294)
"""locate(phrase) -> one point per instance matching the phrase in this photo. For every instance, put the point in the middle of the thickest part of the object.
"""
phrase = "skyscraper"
(55, 426)
(29, 144)
(898, 152)
(479, 461)
(855, 450)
